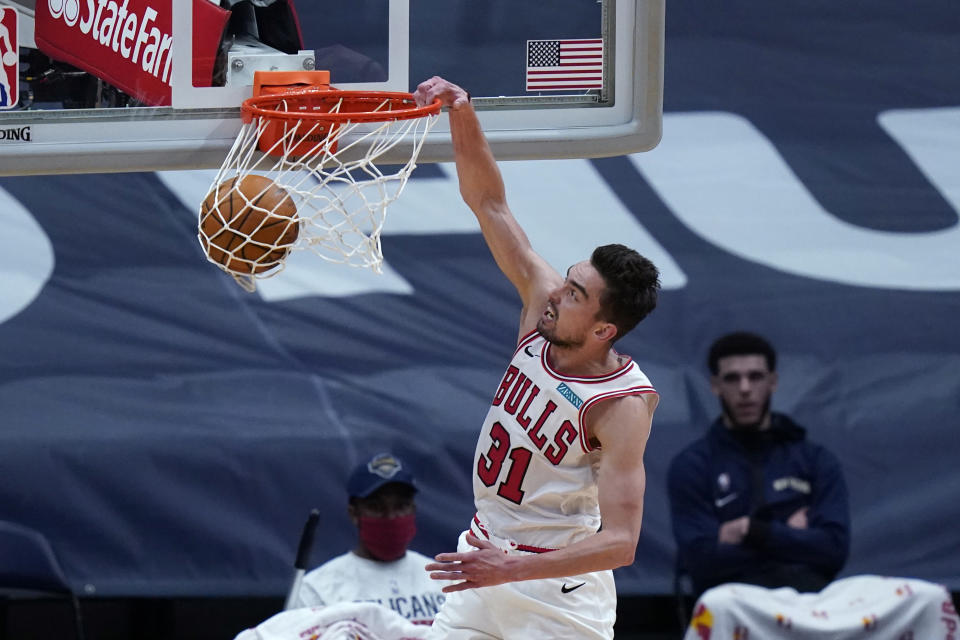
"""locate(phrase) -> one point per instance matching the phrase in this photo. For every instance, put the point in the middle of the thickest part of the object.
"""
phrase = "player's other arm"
(622, 427)
(481, 186)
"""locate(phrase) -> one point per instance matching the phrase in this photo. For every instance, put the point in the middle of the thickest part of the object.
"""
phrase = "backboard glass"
(134, 85)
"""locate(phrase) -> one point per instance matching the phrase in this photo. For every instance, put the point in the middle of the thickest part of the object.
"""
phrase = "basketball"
(248, 224)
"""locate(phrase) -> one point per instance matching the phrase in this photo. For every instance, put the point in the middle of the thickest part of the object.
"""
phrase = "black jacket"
(768, 476)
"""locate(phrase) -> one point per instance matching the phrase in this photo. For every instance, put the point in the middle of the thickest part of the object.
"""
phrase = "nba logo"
(10, 57)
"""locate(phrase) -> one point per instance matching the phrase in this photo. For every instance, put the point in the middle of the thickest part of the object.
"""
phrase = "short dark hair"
(741, 343)
(632, 283)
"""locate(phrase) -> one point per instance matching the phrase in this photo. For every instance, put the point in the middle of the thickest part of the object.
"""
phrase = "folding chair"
(29, 567)
(303, 558)
(683, 593)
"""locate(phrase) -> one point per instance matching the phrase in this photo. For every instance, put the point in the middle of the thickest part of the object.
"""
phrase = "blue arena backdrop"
(170, 433)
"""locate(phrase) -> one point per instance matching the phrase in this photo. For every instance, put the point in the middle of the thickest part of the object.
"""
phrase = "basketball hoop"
(321, 146)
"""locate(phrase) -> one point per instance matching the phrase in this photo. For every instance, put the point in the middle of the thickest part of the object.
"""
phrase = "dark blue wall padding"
(169, 433)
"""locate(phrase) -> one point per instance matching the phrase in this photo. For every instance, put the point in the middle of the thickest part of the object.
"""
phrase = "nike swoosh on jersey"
(526, 350)
(566, 589)
(725, 500)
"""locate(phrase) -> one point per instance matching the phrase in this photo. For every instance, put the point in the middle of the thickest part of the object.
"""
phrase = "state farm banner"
(128, 43)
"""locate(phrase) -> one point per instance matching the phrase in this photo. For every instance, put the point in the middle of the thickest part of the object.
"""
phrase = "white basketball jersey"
(534, 481)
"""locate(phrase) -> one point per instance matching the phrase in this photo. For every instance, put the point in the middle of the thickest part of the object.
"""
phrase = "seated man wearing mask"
(380, 568)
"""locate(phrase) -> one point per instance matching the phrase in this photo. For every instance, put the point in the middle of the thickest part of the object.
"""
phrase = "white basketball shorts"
(576, 607)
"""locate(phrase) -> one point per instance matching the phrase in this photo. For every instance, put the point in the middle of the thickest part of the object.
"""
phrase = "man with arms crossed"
(561, 449)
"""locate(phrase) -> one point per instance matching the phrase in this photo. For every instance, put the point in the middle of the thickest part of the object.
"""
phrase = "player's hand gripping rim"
(450, 95)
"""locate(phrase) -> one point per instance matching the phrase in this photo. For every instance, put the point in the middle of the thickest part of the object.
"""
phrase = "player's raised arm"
(481, 186)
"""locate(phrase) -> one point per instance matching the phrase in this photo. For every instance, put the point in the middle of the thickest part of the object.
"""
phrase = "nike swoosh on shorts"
(566, 589)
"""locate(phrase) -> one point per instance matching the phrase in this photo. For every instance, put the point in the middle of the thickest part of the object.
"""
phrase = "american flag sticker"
(557, 65)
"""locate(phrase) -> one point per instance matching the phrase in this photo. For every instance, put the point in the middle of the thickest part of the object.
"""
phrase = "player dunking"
(561, 449)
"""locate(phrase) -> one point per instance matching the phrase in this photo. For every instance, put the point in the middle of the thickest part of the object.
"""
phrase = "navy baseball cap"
(381, 469)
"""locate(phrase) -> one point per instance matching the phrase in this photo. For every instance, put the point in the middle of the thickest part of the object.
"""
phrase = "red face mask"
(387, 538)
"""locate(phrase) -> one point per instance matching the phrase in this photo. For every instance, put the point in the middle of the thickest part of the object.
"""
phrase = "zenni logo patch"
(568, 393)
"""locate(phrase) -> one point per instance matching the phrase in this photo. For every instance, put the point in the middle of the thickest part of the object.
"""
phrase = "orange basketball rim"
(300, 113)
(341, 156)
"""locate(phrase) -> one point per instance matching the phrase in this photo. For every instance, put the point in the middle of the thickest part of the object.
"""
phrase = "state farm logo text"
(128, 31)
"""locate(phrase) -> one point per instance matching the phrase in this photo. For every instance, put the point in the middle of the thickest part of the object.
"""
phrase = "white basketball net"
(340, 193)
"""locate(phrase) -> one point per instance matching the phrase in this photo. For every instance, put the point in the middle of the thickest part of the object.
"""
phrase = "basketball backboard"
(131, 85)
